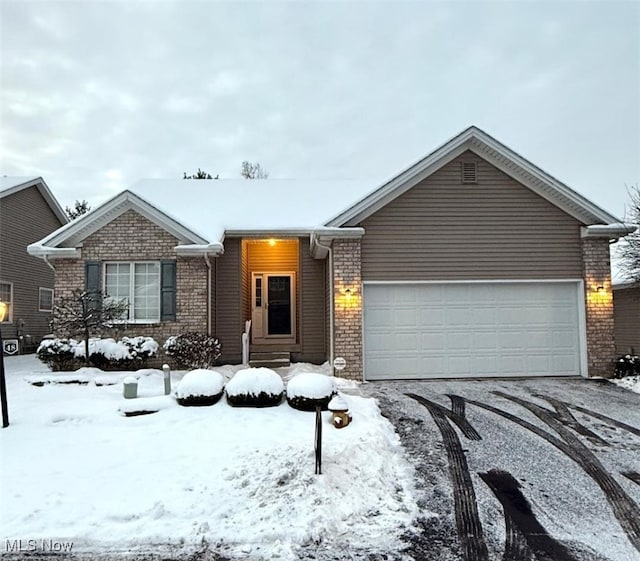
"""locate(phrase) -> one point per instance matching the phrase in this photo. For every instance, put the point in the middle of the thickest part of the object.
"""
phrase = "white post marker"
(167, 379)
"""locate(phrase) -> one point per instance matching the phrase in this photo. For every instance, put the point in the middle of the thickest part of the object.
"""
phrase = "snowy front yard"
(241, 480)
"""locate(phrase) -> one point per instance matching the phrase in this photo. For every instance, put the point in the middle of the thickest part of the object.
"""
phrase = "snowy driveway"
(543, 469)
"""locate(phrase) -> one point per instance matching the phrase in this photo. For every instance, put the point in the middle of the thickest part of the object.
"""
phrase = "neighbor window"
(45, 300)
(6, 296)
(139, 285)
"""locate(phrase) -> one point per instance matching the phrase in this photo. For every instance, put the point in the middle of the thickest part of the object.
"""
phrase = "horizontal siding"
(626, 304)
(313, 307)
(442, 229)
(228, 310)
(25, 217)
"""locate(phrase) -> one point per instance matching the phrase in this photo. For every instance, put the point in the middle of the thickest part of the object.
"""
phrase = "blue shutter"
(93, 281)
(168, 291)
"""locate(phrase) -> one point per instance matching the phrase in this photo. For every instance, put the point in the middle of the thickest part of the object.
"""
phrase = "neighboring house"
(28, 212)
(471, 262)
(626, 305)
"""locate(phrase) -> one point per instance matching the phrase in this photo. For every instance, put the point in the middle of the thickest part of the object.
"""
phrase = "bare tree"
(79, 208)
(630, 245)
(253, 171)
(87, 313)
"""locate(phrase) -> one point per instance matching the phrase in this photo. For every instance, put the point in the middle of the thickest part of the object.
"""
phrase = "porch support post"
(347, 303)
(599, 306)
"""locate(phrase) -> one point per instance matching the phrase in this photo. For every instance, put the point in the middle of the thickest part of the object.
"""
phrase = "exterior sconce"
(272, 242)
(600, 290)
(347, 294)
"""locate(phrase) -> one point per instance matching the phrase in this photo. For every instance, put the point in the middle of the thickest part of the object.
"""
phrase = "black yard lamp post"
(3, 382)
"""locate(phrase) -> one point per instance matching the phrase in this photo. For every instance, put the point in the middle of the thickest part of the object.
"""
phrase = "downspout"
(47, 262)
(208, 262)
(331, 298)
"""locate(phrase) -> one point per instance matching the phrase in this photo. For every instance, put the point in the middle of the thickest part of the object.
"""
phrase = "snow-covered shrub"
(309, 390)
(255, 387)
(200, 387)
(627, 365)
(130, 353)
(193, 349)
(58, 354)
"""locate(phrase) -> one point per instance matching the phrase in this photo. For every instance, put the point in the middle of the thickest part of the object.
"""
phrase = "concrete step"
(269, 360)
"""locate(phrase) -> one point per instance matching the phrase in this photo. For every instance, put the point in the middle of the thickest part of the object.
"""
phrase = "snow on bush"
(193, 349)
(309, 390)
(200, 387)
(129, 353)
(255, 387)
(58, 354)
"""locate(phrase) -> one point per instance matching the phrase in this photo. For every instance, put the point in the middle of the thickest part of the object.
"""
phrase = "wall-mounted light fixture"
(347, 294)
(272, 242)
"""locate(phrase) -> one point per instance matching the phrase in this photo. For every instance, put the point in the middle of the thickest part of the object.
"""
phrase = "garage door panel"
(471, 329)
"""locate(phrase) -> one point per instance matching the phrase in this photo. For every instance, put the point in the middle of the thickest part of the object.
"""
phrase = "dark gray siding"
(442, 229)
(313, 307)
(229, 323)
(626, 306)
(25, 217)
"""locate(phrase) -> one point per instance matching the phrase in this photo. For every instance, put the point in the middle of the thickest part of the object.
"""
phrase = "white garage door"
(471, 330)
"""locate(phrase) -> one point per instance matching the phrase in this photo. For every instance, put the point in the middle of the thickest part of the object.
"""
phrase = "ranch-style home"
(471, 262)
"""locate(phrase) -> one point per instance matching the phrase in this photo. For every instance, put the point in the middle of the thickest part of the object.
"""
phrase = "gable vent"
(469, 172)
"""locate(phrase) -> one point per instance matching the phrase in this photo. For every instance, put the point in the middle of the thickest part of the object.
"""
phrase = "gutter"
(612, 231)
(45, 252)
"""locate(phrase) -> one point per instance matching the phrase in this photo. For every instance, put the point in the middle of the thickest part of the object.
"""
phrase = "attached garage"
(424, 330)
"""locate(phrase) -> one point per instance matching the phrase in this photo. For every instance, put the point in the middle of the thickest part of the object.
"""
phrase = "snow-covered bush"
(255, 387)
(309, 390)
(200, 387)
(627, 365)
(130, 353)
(58, 354)
(193, 349)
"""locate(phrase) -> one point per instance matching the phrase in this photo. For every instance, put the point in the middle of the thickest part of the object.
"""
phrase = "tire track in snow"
(470, 534)
(518, 513)
(564, 415)
(624, 508)
(633, 476)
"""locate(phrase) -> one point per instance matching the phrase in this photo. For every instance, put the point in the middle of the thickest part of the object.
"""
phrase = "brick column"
(347, 333)
(599, 307)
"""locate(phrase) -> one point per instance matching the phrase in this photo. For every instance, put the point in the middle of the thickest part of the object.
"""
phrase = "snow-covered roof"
(13, 184)
(215, 207)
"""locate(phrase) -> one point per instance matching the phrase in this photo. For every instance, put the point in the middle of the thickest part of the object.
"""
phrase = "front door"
(273, 307)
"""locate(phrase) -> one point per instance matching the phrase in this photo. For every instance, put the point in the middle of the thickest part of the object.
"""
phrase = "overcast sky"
(96, 95)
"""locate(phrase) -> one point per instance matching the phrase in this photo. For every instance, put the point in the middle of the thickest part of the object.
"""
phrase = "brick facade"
(348, 306)
(131, 237)
(599, 307)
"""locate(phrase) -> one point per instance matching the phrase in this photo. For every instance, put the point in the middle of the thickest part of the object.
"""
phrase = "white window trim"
(132, 289)
(9, 318)
(40, 291)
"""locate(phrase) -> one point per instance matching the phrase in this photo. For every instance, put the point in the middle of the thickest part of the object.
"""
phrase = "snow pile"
(630, 383)
(200, 387)
(255, 387)
(141, 405)
(241, 484)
